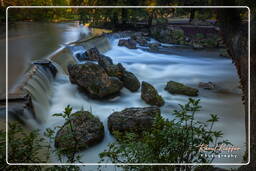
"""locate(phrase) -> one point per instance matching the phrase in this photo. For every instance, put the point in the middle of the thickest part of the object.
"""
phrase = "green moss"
(178, 88)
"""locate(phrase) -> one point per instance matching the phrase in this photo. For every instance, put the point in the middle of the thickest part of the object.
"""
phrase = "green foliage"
(23, 147)
(169, 141)
(70, 153)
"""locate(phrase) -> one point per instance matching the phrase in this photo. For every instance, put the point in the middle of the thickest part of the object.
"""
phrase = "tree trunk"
(235, 35)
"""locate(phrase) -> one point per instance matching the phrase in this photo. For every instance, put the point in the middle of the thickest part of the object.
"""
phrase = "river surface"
(29, 41)
(34, 41)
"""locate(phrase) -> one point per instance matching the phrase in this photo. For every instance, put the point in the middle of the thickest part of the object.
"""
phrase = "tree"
(233, 29)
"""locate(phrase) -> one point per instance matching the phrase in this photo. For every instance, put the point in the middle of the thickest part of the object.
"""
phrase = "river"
(29, 41)
(33, 41)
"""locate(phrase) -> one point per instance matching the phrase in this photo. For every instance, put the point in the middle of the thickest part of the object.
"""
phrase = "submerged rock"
(178, 88)
(129, 43)
(197, 45)
(130, 81)
(140, 39)
(150, 95)
(154, 46)
(94, 80)
(87, 131)
(208, 86)
(132, 119)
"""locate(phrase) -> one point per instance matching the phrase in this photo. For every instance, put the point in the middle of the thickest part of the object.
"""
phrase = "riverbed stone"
(92, 54)
(88, 130)
(130, 81)
(140, 39)
(179, 88)
(154, 46)
(94, 80)
(150, 95)
(132, 119)
(129, 43)
(208, 86)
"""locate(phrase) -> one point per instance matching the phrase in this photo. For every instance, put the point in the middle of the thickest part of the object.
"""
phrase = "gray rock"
(132, 119)
(130, 81)
(154, 46)
(150, 95)
(87, 131)
(178, 88)
(94, 80)
(129, 43)
(208, 86)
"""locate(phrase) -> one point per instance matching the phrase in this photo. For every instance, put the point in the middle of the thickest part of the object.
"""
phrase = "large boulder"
(130, 81)
(132, 119)
(94, 80)
(129, 43)
(178, 88)
(86, 130)
(150, 95)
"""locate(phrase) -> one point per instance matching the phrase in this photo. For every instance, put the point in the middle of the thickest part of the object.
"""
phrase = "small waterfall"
(40, 88)
(38, 83)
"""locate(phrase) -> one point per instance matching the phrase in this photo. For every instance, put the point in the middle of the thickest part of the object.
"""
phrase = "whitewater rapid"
(190, 68)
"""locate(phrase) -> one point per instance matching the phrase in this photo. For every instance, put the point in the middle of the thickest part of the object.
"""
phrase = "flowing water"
(183, 65)
(179, 64)
(29, 41)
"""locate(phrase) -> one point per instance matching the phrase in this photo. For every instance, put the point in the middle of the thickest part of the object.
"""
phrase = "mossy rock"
(133, 119)
(150, 95)
(178, 88)
(87, 129)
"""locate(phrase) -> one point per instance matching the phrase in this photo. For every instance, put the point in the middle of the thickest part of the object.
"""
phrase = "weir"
(30, 99)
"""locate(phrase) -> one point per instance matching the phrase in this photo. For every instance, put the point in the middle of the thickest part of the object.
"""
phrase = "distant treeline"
(112, 17)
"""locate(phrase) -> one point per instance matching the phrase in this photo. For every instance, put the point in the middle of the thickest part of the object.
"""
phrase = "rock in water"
(111, 69)
(130, 81)
(154, 46)
(93, 54)
(87, 131)
(129, 43)
(178, 88)
(208, 86)
(94, 80)
(132, 119)
(150, 95)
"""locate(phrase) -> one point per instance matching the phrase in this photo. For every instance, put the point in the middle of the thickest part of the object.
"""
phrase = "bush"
(169, 141)
(23, 147)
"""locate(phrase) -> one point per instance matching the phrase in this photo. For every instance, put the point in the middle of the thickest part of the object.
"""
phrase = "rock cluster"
(104, 79)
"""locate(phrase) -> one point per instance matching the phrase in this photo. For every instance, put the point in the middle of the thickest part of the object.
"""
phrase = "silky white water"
(189, 67)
